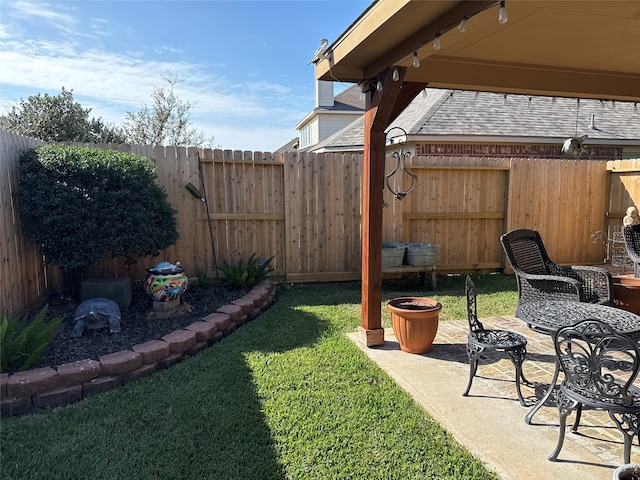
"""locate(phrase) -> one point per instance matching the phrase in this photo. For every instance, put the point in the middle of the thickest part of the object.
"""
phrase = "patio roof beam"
(525, 79)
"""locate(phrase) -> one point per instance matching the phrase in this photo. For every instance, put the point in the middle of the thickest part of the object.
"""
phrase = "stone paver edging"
(52, 387)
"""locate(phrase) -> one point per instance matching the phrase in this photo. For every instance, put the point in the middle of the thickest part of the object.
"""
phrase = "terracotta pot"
(415, 322)
(626, 293)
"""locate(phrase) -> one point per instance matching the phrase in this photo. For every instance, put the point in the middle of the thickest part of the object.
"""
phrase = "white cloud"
(254, 114)
(41, 11)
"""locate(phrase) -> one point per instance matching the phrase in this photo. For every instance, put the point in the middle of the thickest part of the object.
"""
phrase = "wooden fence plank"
(306, 210)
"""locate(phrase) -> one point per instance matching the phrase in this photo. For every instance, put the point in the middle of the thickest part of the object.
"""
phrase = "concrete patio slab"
(490, 421)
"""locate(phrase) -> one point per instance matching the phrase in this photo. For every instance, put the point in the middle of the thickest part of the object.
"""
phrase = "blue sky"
(242, 64)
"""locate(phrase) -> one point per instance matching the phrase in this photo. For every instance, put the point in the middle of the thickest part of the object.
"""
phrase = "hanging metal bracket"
(402, 167)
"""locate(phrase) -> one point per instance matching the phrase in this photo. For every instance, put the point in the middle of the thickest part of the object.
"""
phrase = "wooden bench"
(421, 269)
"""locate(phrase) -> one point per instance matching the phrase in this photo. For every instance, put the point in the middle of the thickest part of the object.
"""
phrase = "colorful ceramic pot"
(166, 282)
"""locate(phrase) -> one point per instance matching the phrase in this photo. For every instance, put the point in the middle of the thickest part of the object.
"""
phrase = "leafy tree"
(82, 204)
(60, 119)
(166, 122)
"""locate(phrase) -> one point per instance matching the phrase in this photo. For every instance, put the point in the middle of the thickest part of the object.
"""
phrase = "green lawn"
(287, 396)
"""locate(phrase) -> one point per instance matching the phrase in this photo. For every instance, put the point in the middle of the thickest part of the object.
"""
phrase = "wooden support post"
(381, 109)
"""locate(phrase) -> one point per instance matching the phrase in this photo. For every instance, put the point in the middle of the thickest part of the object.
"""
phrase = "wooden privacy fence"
(305, 211)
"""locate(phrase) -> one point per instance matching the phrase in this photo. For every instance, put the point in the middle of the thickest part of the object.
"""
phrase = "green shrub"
(81, 204)
(22, 341)
(248, 273)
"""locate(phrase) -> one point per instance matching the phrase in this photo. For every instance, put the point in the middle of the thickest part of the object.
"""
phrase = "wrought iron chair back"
(475, 325)
(540, 279)
(481, 339)
(600, 367)
(526, 252)
(632, 243)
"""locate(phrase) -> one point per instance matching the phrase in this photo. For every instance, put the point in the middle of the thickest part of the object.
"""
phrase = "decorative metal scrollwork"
(402, 167)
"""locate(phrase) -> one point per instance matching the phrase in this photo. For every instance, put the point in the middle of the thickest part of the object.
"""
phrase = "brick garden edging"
(52, 387)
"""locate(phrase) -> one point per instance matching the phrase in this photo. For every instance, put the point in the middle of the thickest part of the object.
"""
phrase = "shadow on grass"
(200, 419)
(286, 396)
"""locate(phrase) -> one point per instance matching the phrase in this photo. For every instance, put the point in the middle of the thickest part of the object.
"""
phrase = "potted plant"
(628, 471)
(415, 322)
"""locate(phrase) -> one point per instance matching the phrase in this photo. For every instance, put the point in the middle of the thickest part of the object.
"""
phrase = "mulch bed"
(138, 322)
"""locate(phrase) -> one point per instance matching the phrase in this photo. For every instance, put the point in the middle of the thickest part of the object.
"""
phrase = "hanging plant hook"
(400, 166)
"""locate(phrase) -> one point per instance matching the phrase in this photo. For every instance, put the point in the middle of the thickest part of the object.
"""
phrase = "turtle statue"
(96, 313)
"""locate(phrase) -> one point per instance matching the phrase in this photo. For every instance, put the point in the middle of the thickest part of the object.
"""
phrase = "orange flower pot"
(415, 322)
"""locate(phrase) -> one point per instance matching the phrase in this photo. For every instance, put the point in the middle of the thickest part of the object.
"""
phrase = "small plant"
(247, 274)
(203, 279)
(22, 341)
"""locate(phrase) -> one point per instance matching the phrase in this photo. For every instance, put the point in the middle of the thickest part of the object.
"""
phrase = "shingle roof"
(290, 146)
(443, 113)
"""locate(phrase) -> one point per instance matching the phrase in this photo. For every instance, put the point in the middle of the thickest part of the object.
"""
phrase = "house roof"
(290, 146)
(562, 48)
(350, 99)
(464, 116)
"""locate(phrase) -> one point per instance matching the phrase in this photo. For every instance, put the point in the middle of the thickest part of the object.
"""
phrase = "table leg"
(545, 397)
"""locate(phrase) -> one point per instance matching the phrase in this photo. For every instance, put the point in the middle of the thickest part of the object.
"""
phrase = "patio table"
(547, 317)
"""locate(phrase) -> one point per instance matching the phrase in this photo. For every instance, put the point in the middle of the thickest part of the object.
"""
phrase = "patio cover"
(579, 49)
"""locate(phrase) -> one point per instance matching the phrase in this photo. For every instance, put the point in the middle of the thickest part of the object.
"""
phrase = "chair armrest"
(535, 287)
(597, 283)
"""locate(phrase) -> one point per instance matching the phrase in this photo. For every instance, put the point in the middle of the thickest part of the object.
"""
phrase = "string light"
(462, 26)
(396, 74)
(379, 85)
(436, 42)
(363, 95)
(477, 94)
(502, 13)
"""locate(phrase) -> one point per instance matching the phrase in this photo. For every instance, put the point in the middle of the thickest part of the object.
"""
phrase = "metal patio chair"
(631, 235)
(481, 339)
(540, 279)
(599, 367)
